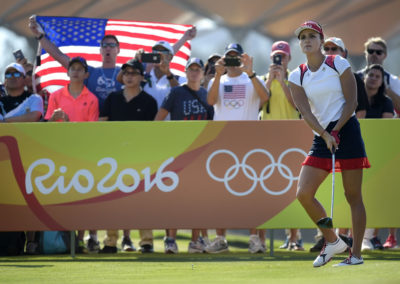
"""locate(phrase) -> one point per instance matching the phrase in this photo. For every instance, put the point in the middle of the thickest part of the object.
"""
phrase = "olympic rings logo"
(250, 172)
(233, 103)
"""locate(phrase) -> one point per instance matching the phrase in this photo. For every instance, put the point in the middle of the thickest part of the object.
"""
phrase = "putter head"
(325, 223)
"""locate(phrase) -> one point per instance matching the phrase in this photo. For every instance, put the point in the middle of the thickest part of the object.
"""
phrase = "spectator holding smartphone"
(280, 106)
(236, 95)
(159, 78)
(209, 69)
(20, 59)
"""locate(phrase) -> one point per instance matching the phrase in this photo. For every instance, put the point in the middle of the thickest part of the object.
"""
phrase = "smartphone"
(151, 57)
(18, 54)
(232, 61)
(212, 69)
(277, 59)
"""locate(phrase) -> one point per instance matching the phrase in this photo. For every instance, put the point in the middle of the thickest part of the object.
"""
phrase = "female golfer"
(324, 91)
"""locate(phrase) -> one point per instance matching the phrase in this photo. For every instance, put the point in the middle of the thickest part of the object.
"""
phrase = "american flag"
(234, 92)
(82, 36)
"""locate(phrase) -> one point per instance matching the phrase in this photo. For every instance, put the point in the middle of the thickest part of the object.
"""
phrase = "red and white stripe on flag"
(82, 36)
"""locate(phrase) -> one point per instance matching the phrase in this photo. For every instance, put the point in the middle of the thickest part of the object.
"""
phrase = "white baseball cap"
(17, 67)
(336, 41)
(164, 44)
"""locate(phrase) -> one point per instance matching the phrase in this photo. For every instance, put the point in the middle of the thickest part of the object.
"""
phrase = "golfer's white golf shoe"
(329, 250)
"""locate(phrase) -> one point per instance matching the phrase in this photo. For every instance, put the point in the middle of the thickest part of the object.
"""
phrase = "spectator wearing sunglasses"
(28, 73)
(159, 78)
(376, 53)
(19, 105)
(129, 104)
(102, 80)
(335, 46)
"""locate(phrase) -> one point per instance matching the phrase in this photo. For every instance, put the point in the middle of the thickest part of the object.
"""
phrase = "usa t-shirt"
(237, 98)
(182, 105)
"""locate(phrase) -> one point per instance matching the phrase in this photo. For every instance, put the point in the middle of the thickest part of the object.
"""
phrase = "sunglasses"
(327, 48)
(377, 51)
(13, 74)
(131, 73)
(29, 73)
(109, 44)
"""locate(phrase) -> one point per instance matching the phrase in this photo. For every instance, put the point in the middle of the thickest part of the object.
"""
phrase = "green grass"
(237, 266)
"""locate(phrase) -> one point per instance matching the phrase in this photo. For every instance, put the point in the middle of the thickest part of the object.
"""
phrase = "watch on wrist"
(253, 75)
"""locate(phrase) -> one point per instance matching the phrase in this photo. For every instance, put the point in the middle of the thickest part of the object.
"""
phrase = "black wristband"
(170, 77)
(40, 37)
(253, 75)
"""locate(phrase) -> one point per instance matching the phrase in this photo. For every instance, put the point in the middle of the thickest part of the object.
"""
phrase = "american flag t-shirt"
(234, 95)
(82, 36)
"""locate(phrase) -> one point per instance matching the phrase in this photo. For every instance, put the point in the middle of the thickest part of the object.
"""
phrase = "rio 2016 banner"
(197, 174)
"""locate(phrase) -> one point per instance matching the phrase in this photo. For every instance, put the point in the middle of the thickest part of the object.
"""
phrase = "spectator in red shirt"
(74, 102)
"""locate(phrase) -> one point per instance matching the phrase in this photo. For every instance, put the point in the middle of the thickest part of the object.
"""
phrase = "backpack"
(54, 242)
(330, 61)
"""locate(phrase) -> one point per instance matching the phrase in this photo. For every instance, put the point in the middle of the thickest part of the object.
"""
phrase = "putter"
(327, 222)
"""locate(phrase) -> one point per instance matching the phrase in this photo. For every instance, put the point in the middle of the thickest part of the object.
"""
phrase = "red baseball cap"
(280, 47)
(309, 25)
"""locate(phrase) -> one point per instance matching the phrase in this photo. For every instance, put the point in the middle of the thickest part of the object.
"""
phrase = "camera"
(277, 59)
(18, 54)
(210, 68)
(151, 58)
(232, 61)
